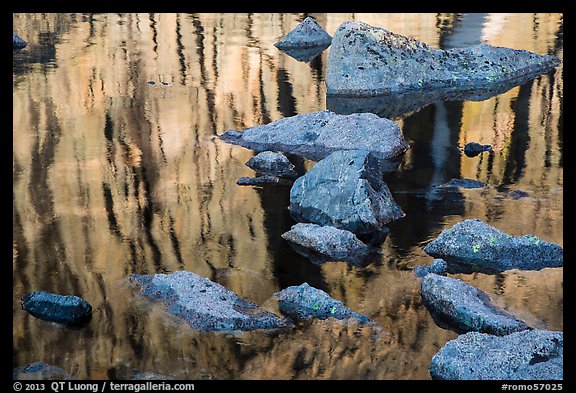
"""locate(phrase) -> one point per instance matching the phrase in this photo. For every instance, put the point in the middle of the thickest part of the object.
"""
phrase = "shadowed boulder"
(457, 304)
(345, 190)
(483, 248)
(67, 310)
(528, 355)
(365, 61)
(306, 35)
(206, 305)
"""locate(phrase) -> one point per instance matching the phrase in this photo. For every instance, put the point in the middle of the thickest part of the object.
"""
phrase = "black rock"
(67, 310)
(307, 34)
(438, 266)
(273, 164)
(40, 371)
(463, 183)
(535, 355)
(345, 190)
(265, 180)
(472, 149)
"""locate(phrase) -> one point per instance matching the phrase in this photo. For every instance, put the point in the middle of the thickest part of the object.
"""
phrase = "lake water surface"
(114, 175)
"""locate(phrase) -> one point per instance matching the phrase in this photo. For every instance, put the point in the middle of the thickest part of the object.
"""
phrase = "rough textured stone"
(315, 135)
(68, 310)
(517, 194)
(528, 355)
(18, 42)
(345, 191)
(326, 243)
(463, 183)
(271, 163)
(438, 266)
(305, 302)
(486, 249)
(307, 34)
(365, 60)
(465, 307)
(265, 180)
(472, 149)
(206, 305)
(40, 371)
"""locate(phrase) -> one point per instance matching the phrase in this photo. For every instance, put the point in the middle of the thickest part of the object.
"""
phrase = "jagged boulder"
(67, 310)
(307, 34)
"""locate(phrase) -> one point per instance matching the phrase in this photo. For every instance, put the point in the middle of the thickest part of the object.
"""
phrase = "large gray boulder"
(528, 355)
(206, 305)
(365, 61)
(315, 135)
(306, 35)
(456, 304)
(64, 309)
(326, 243)
(304, 302)
(481, 247)
(346, 191)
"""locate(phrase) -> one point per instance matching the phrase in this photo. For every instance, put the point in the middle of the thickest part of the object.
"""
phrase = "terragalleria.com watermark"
(106, 386)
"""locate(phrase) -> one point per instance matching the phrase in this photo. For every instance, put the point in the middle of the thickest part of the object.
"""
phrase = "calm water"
(113, 176)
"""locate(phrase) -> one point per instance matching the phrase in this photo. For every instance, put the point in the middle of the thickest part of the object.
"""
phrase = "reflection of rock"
(438, 266)
(206, 305)
(315, 135)
(527, 355)
(40, 371)
(344, 190)
(305, 54)
(472, 149)
(326, 243)
(68, 310)
(265, 180)
(517, 194)
(485, 248)
(271, 163)
(366, 60)
(307, 34)
(305, 302)
(463, 183)
(18, 42)
(465, 307)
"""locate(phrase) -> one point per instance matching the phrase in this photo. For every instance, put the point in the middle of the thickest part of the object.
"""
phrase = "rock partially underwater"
(438, 266)
(273, 164)
(307, 34)
(366, 61)
(462, 183)
(473, 245)
(67, 310)
(206, 305)
(265, 180)
(528, 355)
(472, 149)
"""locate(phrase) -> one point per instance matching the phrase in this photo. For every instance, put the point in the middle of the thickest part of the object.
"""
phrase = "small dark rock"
(263, 181)
(438, 266)
(473, 149)
(18, 42)
(271, 163)
(305, 302)
(307, 34)
(463, 183)
(67, 310)
(517, 194)
(151, 83)
(40, 371)
(535, 355)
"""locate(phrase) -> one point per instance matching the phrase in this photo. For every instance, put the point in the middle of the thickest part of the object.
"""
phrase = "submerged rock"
(487, 249)
(265, 180)
(463, 183)
(472, 149)
(271, 163)
(67, 310)
(40, 371)
(326, 243)
(528, 355)
(517, 194)
(316, 135)
(346, 191)
(18, 42)
(206, 305)
(438, 266)
(305, 302)
(456, 304)
(365, 60)
(307, 34)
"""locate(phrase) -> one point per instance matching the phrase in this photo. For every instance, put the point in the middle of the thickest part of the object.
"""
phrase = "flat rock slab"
(486, 249)
(18, 42)
(463, 183)
(316, 135)
(67, 310)
(438, 266)
(326, 243)
(304, 302)
(265, 180)
(206, 305)
(365, 61)
(307, 34)
(40, 371)
(466, 307)
(273, 164)
(345, 190)
(528, 355)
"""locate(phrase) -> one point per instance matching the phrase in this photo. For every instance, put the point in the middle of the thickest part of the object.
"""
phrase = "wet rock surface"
(265, 180)
(438, 266)
(307, 34)
(483, 248)
(462, 183)
(345, 190)
(18, 42)
(40, 371)
(316, 135)
(466, 308)
(271, 163)
(365, 61)
(527, 355)
(64, 309)
(305, 302)
(325, 243)
(206, 305)
(472, 149)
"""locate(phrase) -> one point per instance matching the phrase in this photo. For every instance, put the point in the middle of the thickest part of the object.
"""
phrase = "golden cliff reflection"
(117, 169)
